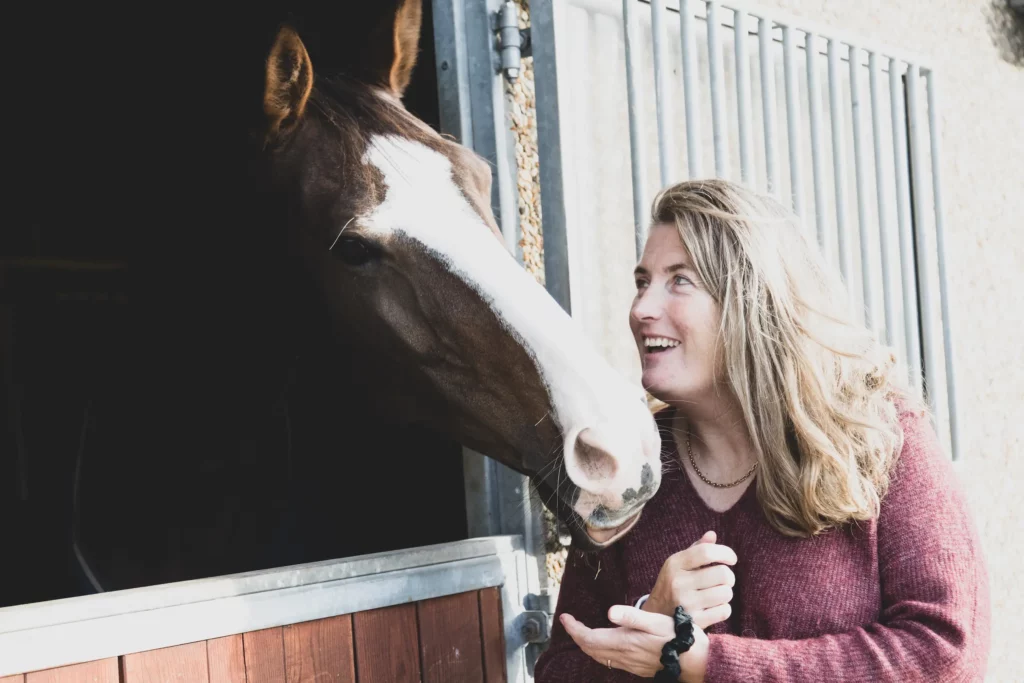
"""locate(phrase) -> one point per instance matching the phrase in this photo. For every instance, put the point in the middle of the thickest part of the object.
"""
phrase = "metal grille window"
(639, 95)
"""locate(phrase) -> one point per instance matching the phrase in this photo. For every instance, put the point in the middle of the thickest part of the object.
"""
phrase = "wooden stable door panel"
(492, 630)
(320, 650)
(450, 639)
(100, 671)
(180, 664)
(387, 645)
(226, 658)
(264, 656)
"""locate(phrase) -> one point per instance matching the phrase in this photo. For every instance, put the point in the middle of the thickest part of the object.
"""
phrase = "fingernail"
(615, 613)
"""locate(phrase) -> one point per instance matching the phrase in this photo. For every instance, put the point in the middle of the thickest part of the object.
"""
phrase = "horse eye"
(353, 251)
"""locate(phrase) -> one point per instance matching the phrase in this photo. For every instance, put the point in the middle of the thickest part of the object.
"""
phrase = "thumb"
(648, 622)
(708, 537)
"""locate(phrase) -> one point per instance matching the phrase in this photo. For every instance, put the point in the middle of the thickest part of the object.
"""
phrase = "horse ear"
(406, 36)
(289, 81)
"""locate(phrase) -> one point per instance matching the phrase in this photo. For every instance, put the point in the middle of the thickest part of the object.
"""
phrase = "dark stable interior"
(171, 393)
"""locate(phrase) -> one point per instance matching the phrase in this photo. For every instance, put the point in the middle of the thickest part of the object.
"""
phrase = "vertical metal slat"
(882, 190)
(813, 96)
(743, 94)
(793, 126)
(690, 85)
(661, 93)
(899, 134)
(549, 147)
(859, 163)
(839, 162)
(765, 47)
(940, 248)
(636, 136)
(929, 335)
(452, 71)
(717, 90)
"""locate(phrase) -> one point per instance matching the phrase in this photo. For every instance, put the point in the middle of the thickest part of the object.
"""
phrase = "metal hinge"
(536, 621)
(513, 42)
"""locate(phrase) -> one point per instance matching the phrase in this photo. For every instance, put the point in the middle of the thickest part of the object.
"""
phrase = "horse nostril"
(593, 460)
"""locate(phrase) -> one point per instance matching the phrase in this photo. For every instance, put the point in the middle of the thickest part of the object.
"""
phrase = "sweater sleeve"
(933, 625)
(586, 591)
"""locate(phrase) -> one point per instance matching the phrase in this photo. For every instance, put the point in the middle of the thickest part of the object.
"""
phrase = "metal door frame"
(471, 95)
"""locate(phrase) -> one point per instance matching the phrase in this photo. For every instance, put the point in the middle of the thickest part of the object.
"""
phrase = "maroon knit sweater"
(901, 598)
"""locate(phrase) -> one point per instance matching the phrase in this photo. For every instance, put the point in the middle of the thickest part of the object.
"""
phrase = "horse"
(420, 311)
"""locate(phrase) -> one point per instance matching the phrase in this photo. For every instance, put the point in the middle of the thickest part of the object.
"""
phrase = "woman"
(807, 519)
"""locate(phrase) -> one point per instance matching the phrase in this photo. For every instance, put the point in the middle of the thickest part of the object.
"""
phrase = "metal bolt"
(531, 630)
(535, 626)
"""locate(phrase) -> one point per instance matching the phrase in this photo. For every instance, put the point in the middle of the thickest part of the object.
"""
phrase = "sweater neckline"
(740, 503)
(670, 453)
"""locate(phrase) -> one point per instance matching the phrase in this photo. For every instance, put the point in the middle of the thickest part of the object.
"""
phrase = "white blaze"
(423, 202)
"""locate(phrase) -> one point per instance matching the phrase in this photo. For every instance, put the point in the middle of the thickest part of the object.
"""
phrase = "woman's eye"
(641, 284)
(681, 280)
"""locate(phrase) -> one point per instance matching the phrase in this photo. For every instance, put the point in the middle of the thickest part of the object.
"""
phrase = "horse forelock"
(347, 115)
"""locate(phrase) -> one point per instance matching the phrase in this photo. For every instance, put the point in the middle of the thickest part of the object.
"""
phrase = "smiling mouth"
(659, 344)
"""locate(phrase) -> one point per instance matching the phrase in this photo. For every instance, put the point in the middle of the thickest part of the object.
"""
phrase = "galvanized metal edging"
(87, 628)
(499, 500)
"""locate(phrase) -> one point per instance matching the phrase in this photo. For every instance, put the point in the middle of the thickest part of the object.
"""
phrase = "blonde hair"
(820, 395)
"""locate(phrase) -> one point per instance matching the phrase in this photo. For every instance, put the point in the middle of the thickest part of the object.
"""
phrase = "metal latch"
(513, 42)
(536, 621)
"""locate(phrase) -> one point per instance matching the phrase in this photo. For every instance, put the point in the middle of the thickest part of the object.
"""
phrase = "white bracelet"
(641, 601)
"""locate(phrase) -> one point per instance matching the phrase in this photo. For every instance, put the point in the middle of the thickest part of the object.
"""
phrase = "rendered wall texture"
(975, 51)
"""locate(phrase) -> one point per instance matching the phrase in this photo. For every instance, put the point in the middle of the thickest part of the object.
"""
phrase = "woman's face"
(674, 321)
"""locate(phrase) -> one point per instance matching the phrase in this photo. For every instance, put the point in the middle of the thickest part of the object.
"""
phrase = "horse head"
(393, 223)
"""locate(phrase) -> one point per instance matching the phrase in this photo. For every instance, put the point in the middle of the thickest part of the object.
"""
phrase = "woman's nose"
(646, 307)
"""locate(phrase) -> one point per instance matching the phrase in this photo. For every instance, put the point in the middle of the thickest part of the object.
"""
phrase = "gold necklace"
(689, 452)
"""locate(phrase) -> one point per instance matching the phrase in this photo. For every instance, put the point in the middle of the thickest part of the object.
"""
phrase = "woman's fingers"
(636, 642)
(703, 554)
(578, 631)
(701, 579)
(629, 646)
(685, 584)
(710, 597)
(703, 588)
(639, 620)
(708, 537)
(592, 639)
(712, 615)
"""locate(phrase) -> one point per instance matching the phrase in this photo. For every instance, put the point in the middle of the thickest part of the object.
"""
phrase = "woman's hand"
(635, 644)
(686, 579)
